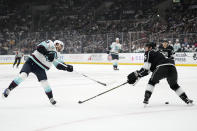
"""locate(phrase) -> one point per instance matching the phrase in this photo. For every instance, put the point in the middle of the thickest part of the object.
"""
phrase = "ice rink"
(28, 109)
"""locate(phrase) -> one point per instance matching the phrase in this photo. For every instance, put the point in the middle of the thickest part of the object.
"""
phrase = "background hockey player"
(177, 46)
(161, 67)
(115, 48)
(39, 61)
(18, 58)
(166, 49)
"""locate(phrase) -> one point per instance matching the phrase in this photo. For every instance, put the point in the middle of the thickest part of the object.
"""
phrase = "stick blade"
(80, 102)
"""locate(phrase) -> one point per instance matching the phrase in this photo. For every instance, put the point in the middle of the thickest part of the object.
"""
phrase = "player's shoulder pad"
(46, 43)
(50, 45)
(150, 52)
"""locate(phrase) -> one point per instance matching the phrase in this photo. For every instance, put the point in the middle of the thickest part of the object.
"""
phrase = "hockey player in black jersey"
(161, 67)
(166, 49)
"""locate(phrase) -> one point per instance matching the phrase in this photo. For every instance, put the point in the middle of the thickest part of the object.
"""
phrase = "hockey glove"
(50, 55)
(132, 78)
(69, 68)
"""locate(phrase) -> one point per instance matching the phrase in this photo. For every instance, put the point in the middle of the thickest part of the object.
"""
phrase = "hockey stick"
(104, 84)
(80, 102)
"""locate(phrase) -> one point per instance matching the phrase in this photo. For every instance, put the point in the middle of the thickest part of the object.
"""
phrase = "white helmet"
(60, 42)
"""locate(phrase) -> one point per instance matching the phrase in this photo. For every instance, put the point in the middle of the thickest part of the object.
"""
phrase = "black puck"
(166, 102)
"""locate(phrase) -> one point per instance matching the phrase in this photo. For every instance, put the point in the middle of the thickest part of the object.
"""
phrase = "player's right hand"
(132, 78)
(69, 68)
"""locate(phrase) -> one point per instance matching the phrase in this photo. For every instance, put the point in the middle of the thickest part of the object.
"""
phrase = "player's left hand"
(69, 68)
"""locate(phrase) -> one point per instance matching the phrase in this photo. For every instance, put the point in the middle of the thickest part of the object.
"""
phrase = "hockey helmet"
(151, 44)
(59, 42)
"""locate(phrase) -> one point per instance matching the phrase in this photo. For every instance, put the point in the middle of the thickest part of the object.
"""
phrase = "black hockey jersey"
(168, 51)
(156, 58)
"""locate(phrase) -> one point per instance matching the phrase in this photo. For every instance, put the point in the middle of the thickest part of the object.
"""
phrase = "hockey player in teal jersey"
(115, 48)
(46, 54)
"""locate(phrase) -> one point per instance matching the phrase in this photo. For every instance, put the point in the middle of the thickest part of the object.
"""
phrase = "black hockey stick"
(80, 102)
(104, 84)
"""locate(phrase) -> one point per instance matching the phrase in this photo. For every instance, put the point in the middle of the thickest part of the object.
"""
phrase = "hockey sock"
(12, 85)
(21, 77)
(47, 88)
(179, 91)
(148, 93)
(115, 63)
(184, 97)
(49, 94)
(147, 96)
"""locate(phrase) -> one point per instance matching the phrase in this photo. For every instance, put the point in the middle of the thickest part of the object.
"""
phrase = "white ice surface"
(28, 109)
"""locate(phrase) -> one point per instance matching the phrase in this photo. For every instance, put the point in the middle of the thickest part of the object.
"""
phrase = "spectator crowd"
(90, 26)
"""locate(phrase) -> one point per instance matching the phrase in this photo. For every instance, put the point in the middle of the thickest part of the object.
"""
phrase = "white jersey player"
(115, 48)
(39, 61)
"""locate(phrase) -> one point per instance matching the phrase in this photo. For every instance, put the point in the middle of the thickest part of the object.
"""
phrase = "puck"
(166, 102)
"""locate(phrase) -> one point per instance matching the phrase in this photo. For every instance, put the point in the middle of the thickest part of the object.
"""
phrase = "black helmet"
(151, 44)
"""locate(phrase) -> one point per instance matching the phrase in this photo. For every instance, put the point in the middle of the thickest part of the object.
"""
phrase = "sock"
(147, 95)
(49, 94)
(47, 88)
(12, 85)
(184, 97)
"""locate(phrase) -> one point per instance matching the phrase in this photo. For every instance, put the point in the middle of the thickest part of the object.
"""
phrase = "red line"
(110, 116)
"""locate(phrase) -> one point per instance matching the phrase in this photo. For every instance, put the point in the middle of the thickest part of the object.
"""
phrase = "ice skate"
(53, 102)
(6, 93)
(189, 102)
(145, 102)
(116, 68)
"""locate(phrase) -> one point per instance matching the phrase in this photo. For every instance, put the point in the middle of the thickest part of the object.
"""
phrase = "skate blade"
(145, 105)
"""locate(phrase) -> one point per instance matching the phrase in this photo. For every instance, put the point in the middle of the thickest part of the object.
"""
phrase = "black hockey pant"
(169, 72)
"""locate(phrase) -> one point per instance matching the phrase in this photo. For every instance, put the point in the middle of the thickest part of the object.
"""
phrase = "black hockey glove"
(69, 68)
(50, 55)
(132, 78)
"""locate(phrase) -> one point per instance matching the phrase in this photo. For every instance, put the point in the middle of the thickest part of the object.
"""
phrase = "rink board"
(181, 59)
